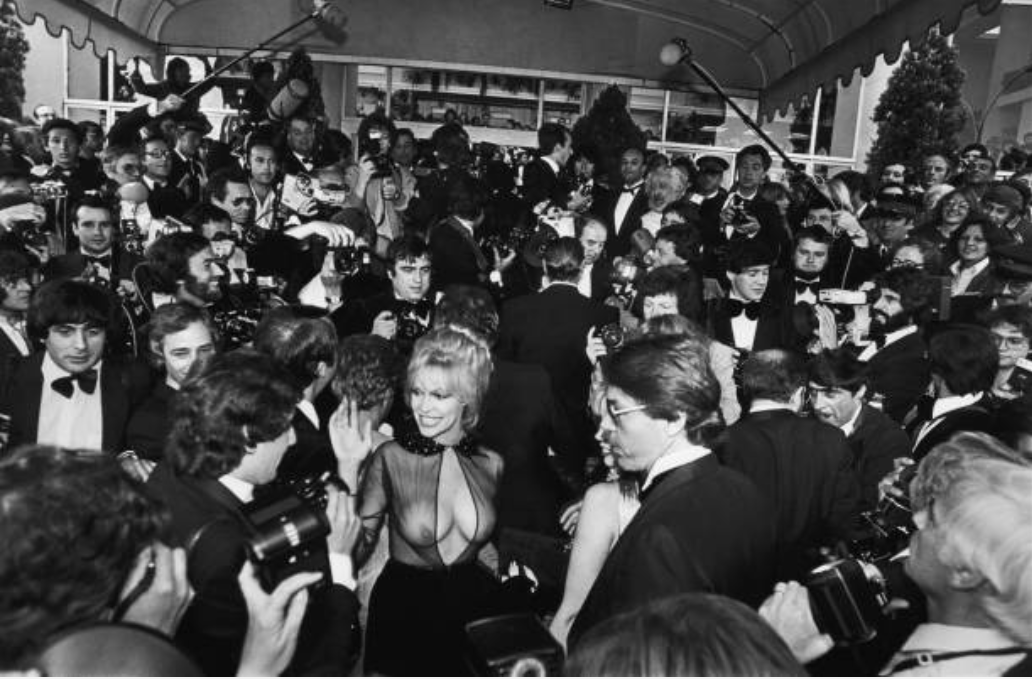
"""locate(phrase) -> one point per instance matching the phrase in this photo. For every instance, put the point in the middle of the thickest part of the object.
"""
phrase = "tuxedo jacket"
(150, 424)
(311, 455)
(702, 528)
(521, 421)
(10, 357)
(209, 521)
(72, 264)
(194, 177)
(773, 327)
(289, 164)
(541, 183)
(457, 258)
(975, 417)
(122, 386)
(356, 317)
(618, 243)
(876, 441)
(550, 328)
(900, 372)
(803, 467)
(601, 287)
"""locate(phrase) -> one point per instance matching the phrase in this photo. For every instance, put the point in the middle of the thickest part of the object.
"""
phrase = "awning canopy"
(778, 50)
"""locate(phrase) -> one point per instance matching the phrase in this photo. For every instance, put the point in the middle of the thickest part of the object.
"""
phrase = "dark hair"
(689, 635)
(406, 248)
(994, 237)
(688, 212)
(974, 205)
(965, 357)
(375, 119)
(404, 132)
(673, 280)
(262, 68)
(61, 124)
(86, 125)
(14, 266)
(838, 369)
(773, 374)
(466, 197)
(169, 319)
(918, 292)
(930, 253)
(72, 524)
(773, 192)
(1013, 422)
(687, 241)
(671, 376)
(174, 64)
(470, 307)
(240, 390)
(95, 202)
(169, 257)
(562, 259)
(205, 213)
(754, 150)
(451, 145)
(369, 370)
(812, 233)
(549, 136)
(744, 254)
(298, 342)
(261, 137)
(1012, 314)
(69, 301)
(220, 179)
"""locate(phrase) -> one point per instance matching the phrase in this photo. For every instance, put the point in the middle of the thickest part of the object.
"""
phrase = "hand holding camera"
(273, 622)
(385, 325)
(157, 592)
(787, 610)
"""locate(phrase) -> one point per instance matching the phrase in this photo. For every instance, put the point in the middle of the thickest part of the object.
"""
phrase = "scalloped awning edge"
(86, 24)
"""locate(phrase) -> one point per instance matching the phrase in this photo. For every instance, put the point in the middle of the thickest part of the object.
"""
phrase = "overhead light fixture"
(559, 4)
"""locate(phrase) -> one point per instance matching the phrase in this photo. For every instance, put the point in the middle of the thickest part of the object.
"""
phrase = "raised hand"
(158, 591)
(352, 440)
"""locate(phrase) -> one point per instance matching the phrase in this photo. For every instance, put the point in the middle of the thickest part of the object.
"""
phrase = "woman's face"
(972, 246)
(436, 406)
(634, 439)
(181, 350)
(955, 209)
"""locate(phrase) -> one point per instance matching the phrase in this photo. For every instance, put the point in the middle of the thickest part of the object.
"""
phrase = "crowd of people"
(308, 404)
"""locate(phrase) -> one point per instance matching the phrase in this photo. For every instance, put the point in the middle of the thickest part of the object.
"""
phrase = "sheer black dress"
(439, 502)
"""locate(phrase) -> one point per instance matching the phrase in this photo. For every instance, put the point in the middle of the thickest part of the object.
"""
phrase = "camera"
(1021, 379)
(612, 336)
(287, 528)
(49, 190)
(348, 260)
(373, 150)
(411, 325)
(739, 210)
(515, 645)
(843, 297)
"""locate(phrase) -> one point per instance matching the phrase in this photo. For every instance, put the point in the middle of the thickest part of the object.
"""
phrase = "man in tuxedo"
(263, 177)
(520, 420)
(63, 138)
(596, 271)
(188, 173)
(838, 388)
(810, 267)
(306, 346)
(165, 199)
(963, 361)
(897, 369)
(230, 430)
(302, 155)
(707, 192)
(100, 258)
(69, 395)
(457, 256)
(403, 313)
(803, 466)
(549, 328)
(544, 178)
(749, 318)
(702, 527)
(850, 260)
(624, 209)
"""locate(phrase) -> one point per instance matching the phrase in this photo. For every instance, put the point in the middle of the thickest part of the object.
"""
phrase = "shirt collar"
(106, 253)
(970, 271)
(242, 490)
(52, 371)
(897, 335)
(938, 637)
(762, 405)
(552, 284)
(466, 223)
(308, 410)
(948, 404)
(674, 459)
(551, 162)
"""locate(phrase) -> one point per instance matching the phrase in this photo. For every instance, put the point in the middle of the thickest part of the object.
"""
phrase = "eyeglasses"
(616, 413)
(158, 154)
(1010, 341)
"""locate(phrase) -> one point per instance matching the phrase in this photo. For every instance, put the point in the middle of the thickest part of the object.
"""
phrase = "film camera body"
(848, 595)
(288, 528)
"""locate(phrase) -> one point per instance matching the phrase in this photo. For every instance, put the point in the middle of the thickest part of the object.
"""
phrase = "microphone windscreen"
(287, 100)
(330, 21)
(671, 54)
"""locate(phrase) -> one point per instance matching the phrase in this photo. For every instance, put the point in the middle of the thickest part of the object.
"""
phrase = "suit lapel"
(114, 406)
(28, 395)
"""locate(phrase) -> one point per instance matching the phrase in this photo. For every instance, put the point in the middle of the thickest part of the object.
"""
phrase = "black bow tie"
(421, 309)
(87, 381)
(104, 261)
(631, 189)
(878, 339)
(802, 285)
(736, 308)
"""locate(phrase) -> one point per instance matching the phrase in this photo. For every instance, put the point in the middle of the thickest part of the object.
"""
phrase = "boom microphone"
(287, 100)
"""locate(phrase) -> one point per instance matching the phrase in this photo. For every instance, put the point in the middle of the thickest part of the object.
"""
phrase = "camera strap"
(923, 659)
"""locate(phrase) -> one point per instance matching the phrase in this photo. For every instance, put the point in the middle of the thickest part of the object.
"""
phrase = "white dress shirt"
(15, 333)
(623, 204)
(962, 276)
(743, 328)
(672, 460)
(76, 422)
(871, 349)
(308, 410)
(943, 407)
(584, 284)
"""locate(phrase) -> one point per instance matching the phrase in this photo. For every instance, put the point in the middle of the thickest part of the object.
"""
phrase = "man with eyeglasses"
(977, 169)
(165, 200)
(1011, 328)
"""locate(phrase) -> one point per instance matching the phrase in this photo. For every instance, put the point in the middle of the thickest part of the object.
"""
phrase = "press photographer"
(971, 557)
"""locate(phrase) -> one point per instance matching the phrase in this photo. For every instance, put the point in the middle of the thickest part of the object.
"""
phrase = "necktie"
(802, 285)
(737, 308)
(87, 381)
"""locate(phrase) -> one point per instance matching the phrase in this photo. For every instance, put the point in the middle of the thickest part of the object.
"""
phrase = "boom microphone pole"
(330, 18)
(677, 51)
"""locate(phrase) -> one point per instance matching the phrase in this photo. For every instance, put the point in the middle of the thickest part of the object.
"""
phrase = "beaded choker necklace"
(417, 444)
